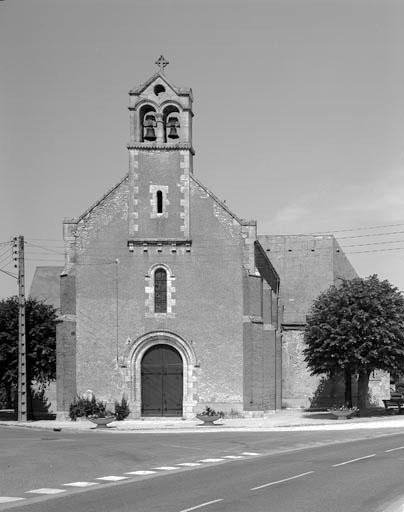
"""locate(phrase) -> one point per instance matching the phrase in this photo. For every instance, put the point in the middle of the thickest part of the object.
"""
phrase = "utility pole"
(22, 356)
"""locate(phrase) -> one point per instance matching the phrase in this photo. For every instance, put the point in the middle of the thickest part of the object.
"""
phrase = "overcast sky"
(299, 114)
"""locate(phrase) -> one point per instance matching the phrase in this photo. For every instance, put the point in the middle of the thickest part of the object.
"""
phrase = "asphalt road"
(299, 471)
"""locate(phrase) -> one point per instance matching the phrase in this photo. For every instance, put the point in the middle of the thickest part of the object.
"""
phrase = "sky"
(299, 114)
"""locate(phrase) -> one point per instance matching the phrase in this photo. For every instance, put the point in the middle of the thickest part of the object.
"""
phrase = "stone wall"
(208, 299)
(300, 389)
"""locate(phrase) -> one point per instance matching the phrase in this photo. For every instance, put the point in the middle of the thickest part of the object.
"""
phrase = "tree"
(356, 328)
(40, 328)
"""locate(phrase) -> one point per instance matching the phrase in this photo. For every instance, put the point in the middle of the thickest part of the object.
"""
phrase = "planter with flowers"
(209, 416)
(102, 419)
(96, 411)
(343, 412)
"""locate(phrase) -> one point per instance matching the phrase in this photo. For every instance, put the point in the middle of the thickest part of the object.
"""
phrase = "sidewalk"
(289, 420)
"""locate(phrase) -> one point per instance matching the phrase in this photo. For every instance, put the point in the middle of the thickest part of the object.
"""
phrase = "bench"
(394, 403)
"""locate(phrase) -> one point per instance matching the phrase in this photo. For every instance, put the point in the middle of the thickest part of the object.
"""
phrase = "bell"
(173, 134)
(172, 125)
(149, 133)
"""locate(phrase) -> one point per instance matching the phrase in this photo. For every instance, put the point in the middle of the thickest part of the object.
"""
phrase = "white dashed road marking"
(394, 449)
(280, 481)
(47, 490)
(353, 460)
(112, 478)
(140, 473)
(201, 505)
(81, 484)
(211, 460)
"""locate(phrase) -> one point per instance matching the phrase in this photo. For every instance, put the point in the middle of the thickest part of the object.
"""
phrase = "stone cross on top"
(161, 63)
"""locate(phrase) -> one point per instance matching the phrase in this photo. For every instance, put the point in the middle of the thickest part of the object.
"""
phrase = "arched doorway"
(162, 381)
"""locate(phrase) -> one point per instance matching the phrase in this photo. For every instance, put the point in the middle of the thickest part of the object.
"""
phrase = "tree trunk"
(363, 387)
(348, 387)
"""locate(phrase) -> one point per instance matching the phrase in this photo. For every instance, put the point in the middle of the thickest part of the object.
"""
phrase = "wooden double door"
(162, 382)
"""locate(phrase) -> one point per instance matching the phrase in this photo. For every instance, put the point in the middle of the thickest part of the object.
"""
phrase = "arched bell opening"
(171, 120)
(162, 381)
(148, 123)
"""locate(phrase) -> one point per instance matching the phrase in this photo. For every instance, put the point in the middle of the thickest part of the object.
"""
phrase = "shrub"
(211, 412)
(122, 410)
(83, 407)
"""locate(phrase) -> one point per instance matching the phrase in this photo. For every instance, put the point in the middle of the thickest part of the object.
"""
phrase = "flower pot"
(102, 422)
(342, 415)
(208, 420)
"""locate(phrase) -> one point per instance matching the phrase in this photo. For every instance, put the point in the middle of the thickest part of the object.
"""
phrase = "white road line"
(394, 449)
(280, 481)
(166, 468)
(112, 478)
(190, 464)
(234, 457)
(81, 484)
(211, 460)
(201, 505)
(143, 472)
(8, 499)
(250, 453)
(353, 460)
(47, 490)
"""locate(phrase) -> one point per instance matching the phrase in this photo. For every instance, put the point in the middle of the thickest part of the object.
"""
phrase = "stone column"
(160, 128)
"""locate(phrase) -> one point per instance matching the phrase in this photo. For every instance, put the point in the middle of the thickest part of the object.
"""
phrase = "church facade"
(167, 297)
(170, 299)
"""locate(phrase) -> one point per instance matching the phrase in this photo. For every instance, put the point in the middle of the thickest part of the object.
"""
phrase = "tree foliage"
(357, 327)
(40, 322)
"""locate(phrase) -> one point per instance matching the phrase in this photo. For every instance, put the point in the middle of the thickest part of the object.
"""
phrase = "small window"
(160, 291)
(159, 195)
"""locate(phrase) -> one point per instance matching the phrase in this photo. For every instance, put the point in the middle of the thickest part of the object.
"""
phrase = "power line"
(45, 248)
(42, 259)
(44, 240)
(376, 243)
(376, 250)
(7, 257)
(6, 265)
(356, 229)
(8, 273)
(371, 234)
(6, 251)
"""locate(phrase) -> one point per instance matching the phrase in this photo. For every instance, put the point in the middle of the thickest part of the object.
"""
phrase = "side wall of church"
(300, 389)
(206, 300)
(307, 266)
(262, 350)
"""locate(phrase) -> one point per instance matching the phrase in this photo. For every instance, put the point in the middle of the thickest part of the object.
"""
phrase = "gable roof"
(178, 90)
(242, 222)
(99, 201)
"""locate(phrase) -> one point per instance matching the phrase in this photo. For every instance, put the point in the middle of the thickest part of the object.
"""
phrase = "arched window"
(147, 123)
(160, 290)
(149, 127)
(172, 127)
(159, 197)
(171, 120)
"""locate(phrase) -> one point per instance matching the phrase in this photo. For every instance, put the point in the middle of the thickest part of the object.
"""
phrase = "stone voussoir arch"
(134, 356)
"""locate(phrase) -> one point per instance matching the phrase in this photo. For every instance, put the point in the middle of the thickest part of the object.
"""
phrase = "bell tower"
(160, 162)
